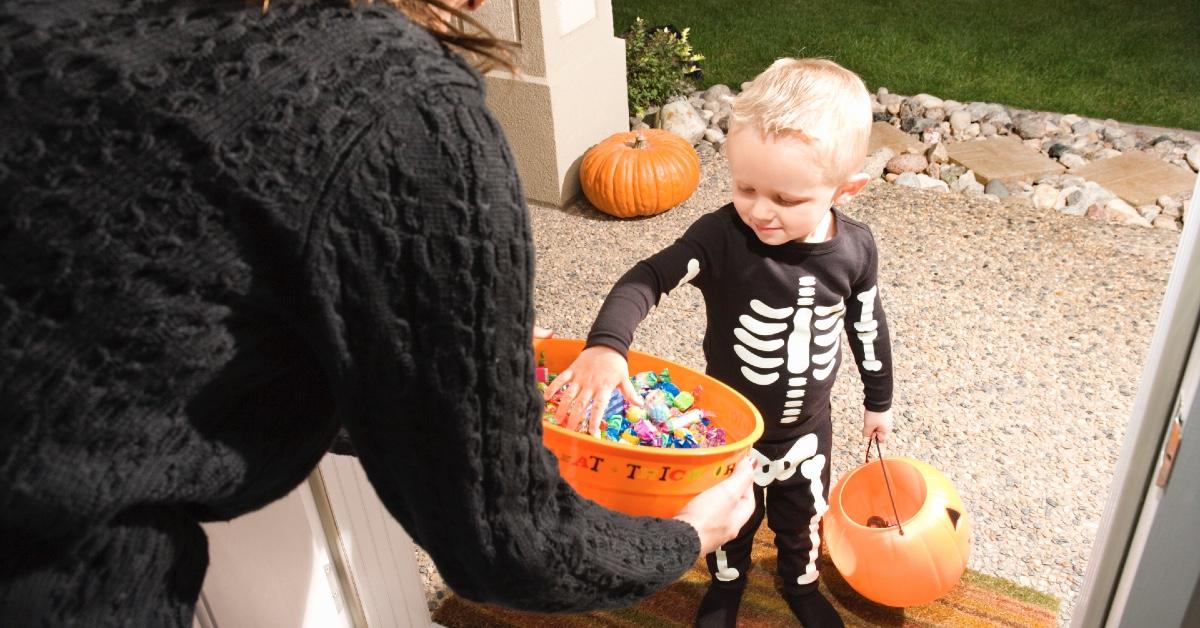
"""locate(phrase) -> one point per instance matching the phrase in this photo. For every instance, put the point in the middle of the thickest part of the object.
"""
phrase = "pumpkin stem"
(639, 142)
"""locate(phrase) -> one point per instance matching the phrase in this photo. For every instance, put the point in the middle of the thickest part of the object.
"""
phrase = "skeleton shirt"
(773, 314)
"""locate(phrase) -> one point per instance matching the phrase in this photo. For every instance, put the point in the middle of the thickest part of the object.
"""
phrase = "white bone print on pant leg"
(724, 572)
(767, 471)
(812, 469)
(867, 328)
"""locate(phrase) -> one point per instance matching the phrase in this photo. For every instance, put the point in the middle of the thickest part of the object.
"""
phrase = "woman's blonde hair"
(455, 28)
(820, 102)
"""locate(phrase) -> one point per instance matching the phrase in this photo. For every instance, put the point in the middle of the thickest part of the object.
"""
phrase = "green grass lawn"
(1135, 61)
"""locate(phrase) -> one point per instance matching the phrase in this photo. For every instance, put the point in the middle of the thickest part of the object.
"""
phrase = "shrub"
(659, 64)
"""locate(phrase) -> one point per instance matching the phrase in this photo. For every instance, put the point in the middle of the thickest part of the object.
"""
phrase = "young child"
(779, 269)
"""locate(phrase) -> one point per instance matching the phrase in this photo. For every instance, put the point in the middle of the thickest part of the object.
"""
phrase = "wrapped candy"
(669, 418)
(645, 380)
(685, 420)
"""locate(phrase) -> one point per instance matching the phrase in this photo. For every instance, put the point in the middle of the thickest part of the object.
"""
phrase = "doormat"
(978, 600)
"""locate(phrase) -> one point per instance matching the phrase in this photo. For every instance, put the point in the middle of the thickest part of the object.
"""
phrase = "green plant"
(659, 64)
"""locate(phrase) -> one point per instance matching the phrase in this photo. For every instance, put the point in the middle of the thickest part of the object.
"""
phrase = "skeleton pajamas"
(775, 316)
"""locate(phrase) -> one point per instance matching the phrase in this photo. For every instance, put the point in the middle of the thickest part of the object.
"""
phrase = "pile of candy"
(669, 417)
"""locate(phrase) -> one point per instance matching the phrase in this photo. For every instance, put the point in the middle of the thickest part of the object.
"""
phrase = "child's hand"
(592, 377)
(879, 423)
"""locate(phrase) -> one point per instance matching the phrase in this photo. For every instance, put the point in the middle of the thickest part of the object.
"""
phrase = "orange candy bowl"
(641, 480)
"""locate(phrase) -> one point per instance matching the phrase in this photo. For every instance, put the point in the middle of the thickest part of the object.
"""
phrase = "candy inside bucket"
(649, 480)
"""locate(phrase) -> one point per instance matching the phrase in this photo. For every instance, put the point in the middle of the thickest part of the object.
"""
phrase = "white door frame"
(1145, 564)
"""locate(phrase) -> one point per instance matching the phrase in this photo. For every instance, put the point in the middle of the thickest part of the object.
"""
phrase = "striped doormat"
(978, 600)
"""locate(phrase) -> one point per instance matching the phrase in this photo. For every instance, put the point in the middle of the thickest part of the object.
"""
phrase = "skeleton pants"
(791, 484)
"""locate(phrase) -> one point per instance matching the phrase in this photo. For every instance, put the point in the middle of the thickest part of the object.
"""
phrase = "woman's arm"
(429, 265)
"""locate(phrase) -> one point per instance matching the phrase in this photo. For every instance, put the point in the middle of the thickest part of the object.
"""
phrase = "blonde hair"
(816, 100)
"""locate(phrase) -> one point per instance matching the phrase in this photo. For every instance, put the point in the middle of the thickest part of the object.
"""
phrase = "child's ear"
(853, 185)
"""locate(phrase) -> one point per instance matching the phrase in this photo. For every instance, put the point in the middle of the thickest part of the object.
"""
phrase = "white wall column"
(570, 92)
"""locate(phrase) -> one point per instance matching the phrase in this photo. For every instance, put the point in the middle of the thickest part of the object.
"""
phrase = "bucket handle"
(886, 481)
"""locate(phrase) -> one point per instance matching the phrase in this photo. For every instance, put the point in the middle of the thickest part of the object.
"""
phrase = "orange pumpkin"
(882, 564)
(639, 173)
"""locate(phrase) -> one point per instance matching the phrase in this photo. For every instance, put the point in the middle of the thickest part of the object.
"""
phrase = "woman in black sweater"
(224, 232)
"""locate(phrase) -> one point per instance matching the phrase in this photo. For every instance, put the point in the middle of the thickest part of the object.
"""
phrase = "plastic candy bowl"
(650, 481)
(883, 565)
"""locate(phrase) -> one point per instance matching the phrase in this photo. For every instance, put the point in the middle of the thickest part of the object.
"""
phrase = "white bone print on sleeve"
(693, 269)
(868, 329)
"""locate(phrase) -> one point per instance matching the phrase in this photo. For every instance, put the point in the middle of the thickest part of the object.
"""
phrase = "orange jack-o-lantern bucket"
(908, 564)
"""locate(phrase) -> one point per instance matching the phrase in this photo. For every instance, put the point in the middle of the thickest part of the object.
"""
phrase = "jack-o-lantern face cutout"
(881, 563)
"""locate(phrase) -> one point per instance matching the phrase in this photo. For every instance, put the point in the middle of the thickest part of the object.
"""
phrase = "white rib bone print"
(757, 345)
(828, 318)
(752, 333)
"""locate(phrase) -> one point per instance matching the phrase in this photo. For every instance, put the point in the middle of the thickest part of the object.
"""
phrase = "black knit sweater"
(221, 235)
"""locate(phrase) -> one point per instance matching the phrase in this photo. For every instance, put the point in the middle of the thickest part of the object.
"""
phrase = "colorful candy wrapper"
(645, 380)
(659, 412)
(685, 420)
(616, 404)
(684, 400)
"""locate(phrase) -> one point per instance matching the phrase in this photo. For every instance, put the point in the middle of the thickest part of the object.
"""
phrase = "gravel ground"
(1018, 339)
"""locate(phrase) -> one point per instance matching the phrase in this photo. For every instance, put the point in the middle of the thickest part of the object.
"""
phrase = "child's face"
(779, 189)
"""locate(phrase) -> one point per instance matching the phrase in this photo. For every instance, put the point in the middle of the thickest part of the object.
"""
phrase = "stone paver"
(884, 135)
(1002, 158)
(1138, 178)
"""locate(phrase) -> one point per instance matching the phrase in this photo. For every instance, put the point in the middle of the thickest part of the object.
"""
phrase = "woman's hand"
(719, 513)
(877, 423)
(592, 377)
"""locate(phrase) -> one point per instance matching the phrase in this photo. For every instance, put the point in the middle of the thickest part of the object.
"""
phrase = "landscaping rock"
(718, 92)
(1071, 160)
(960, 120)
(916, 125)
(1045, 196)
(926, 182)
(1029, 127)
(1170, 204)
(714, 136)
(967, 184)
(1166, 222)
(908, 179)
(1193, 157)
(682, 119)
(996, 188)
(877, 161)
(1057, 150)
(937, 154)
(907, 162)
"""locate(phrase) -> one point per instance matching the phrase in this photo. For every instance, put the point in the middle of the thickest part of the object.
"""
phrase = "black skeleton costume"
(773, 334)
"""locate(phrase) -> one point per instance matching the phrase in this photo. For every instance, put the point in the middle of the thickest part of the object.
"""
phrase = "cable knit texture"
(222, 235)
